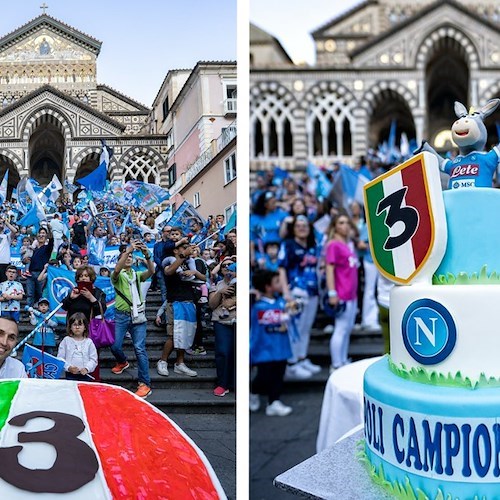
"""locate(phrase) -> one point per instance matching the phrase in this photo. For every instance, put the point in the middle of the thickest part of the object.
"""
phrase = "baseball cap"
(41, 301)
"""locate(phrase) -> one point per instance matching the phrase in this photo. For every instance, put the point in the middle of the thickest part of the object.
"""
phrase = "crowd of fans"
(309, 257)
(197, 283)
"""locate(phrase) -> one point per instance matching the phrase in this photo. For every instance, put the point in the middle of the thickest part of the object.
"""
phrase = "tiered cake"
(432, 408)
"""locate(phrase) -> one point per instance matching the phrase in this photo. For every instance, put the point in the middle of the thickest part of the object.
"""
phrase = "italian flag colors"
(399, 213)
(94, 441)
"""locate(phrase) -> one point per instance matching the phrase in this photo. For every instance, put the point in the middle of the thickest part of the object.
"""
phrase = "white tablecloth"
(342, 407)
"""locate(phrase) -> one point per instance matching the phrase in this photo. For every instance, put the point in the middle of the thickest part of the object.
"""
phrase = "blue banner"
(60, 282)
(40, 364)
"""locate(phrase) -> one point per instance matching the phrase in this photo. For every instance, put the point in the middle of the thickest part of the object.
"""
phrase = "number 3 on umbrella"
(406, 220)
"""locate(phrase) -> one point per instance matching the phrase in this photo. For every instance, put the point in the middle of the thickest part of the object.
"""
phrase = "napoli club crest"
(429, 331)
(406, 220)
(61, 287)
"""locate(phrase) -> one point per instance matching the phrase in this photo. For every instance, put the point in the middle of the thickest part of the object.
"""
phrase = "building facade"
(196, 111)
(53, 113)
(407, 60)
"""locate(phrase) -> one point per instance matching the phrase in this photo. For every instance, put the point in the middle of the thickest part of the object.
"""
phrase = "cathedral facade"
(383, 60)
(54, 114)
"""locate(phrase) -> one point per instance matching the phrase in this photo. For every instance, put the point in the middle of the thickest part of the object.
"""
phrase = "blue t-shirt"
(473, 170)
(301, 265)
(269, 339)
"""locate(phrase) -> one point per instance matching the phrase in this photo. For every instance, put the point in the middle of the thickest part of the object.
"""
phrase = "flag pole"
(30, 335)
(209, 237)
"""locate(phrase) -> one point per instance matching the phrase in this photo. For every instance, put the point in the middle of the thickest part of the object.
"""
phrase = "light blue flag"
(40, 364)
(352, 185)
(33, 217)
(184, 217)
(3, 187)
(231, 223)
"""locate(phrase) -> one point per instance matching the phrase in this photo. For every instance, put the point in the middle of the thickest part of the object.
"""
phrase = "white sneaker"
(297, 372)
(182, 369)
(309, 366)
(278, 409)
(254, 404)
(162, 368)
(329, 329)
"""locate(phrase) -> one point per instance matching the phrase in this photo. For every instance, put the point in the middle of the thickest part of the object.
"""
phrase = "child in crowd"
(11, 294)
(104, 271)
(77, 350)
(26, 252)
(269, 260)
(45, 337)
(269, 343)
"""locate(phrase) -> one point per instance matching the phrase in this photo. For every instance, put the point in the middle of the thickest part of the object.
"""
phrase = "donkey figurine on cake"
(473, 167)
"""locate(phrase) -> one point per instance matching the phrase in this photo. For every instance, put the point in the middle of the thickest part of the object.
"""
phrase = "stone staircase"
(172, 394)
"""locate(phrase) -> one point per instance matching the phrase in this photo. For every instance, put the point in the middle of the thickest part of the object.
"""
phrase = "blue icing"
(473, 231)
(381, 384)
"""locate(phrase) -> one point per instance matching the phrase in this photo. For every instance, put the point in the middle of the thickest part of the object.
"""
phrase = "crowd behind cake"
(310, 257)
(114, 255)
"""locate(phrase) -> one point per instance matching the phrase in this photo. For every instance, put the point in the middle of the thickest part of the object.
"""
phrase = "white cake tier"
(447, 329)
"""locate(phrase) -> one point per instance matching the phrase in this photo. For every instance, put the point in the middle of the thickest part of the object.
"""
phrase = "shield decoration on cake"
(406, 220)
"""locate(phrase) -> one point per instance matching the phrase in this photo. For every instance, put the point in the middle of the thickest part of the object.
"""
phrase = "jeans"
(225, 339)
(34, 288)
(123, 323)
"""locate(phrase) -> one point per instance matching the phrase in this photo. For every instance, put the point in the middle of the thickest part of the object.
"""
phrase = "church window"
(329, 125)
(142, 167)
(271, 125)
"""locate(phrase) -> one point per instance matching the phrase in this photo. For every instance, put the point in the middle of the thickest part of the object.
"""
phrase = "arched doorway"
(446, 81)
(14, 178)
(46, 150)
(388, 106)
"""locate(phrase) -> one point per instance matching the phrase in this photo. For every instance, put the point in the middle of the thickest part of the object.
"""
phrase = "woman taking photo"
(88, 300)
(298, 269)
(342, 285)
(222, 301)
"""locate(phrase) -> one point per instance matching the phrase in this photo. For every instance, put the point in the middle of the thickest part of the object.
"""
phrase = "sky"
(292, 21)
(147, 37)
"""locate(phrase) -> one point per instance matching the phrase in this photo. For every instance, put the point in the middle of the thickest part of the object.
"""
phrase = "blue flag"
(60, 282)
(231, 223)
(40, 364)
(33, 217)
(96, 180)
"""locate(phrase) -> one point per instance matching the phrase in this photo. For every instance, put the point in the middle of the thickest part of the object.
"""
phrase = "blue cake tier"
(472, 217)
(440, 439)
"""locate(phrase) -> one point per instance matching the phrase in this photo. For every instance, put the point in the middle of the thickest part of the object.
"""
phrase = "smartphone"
(85, 285)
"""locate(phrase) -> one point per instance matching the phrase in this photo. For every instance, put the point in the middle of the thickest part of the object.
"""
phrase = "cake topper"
(472, 167)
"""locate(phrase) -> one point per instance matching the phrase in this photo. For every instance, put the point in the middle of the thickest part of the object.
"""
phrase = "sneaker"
(309, 366)
(278, 409)
(254, 404)
(197, 351)
(120, 367)
(329, 329)
(162, 368)
(128, 335)
(220, 391)
(143, 391)
(182, 369)
(297, 372)
(203, 300)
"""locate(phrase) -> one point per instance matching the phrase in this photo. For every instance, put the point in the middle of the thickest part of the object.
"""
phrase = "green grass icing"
(483, 278)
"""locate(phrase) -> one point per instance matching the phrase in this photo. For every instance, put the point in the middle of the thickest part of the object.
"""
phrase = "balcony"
(230, 106)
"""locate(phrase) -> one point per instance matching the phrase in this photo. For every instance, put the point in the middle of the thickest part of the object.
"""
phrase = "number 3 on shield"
(76, 463)
(397, 213)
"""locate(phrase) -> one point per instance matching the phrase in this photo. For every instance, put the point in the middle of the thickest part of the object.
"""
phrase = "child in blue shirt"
(269, 343)
(45, 336)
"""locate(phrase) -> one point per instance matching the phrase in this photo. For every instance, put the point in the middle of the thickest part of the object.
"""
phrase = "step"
(192, 401)
(205, 380)
(107, 360)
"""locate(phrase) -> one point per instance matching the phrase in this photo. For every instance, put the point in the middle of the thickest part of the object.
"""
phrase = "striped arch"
(273, 108)
(47, 115)
(330, 119)
(18, 163)
(490, 93)
(371, 95)
(432, 39)
(143, 163)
